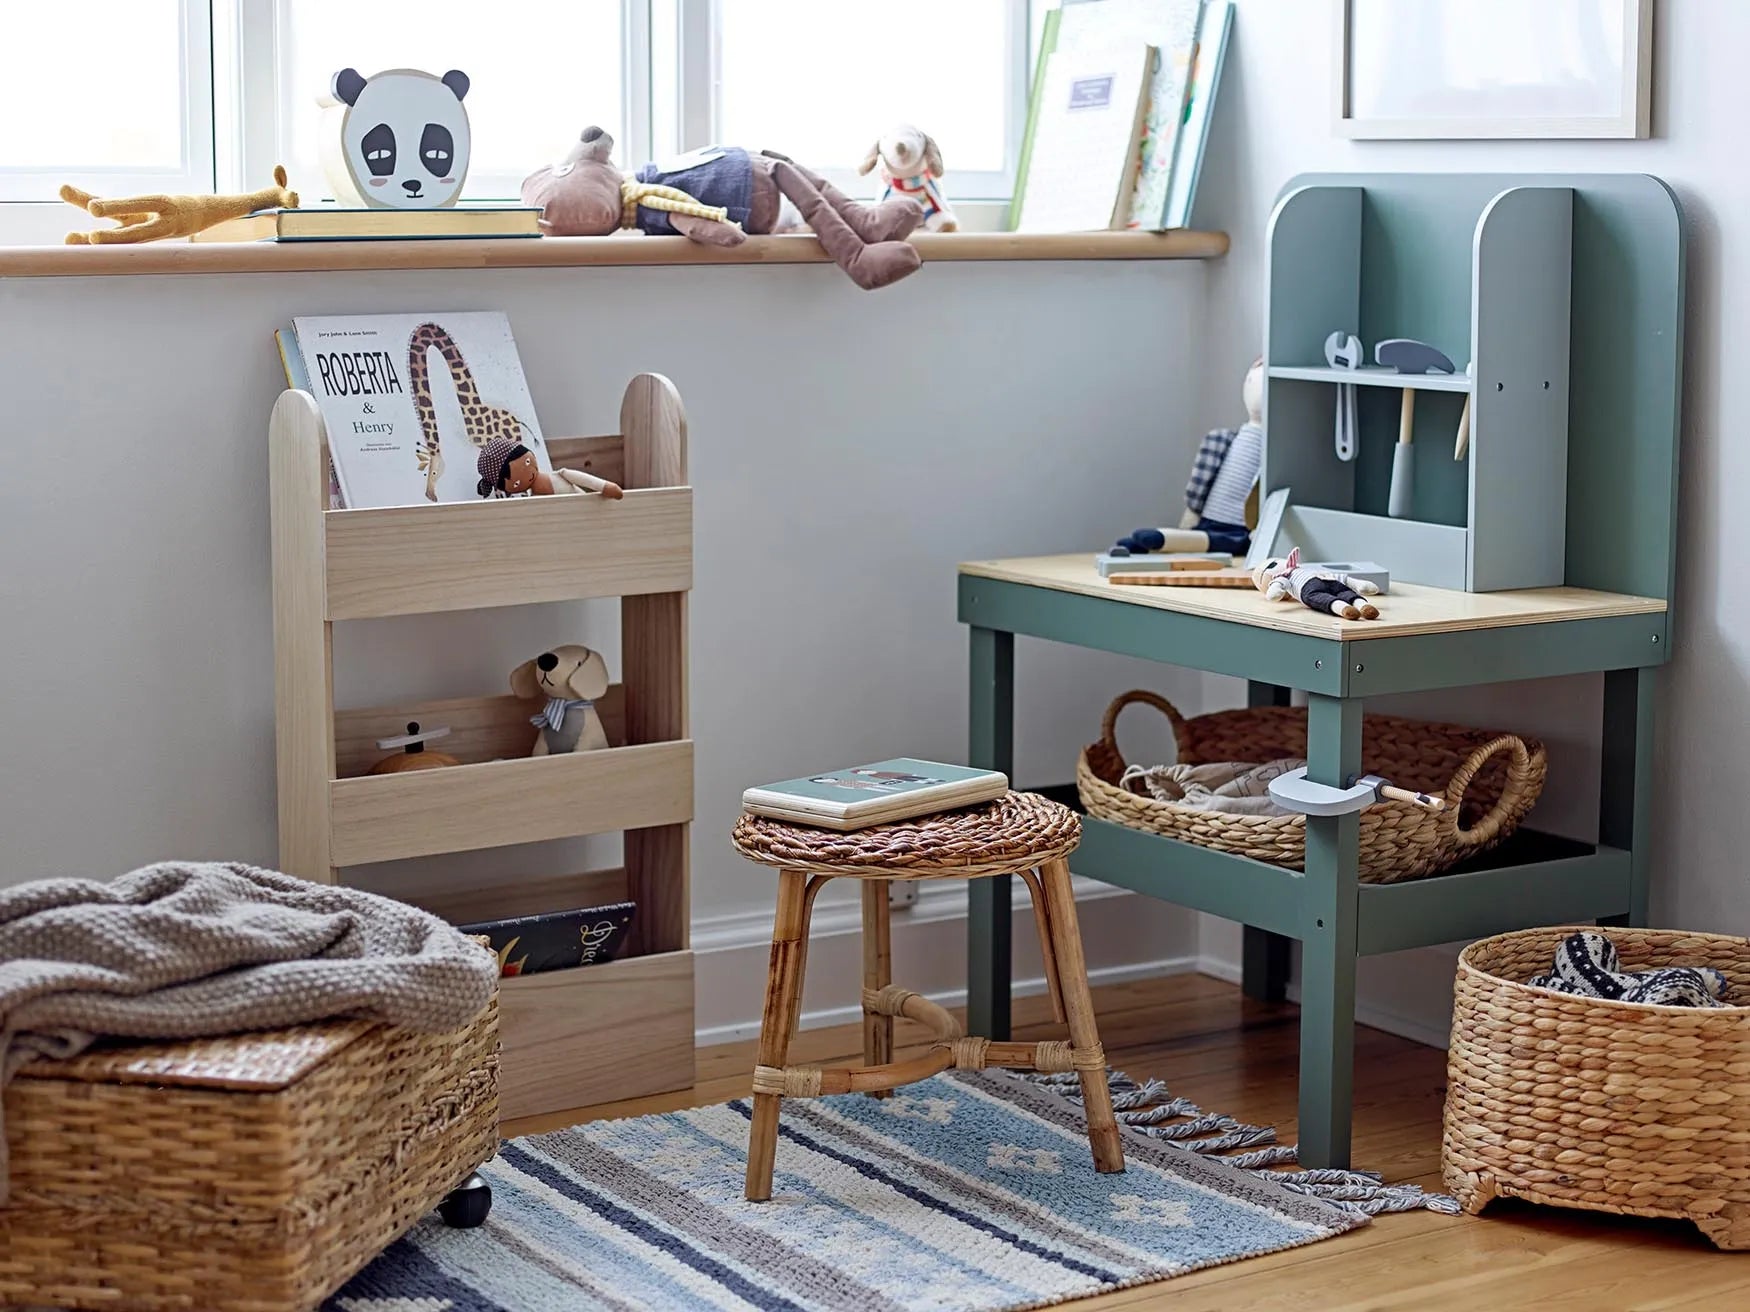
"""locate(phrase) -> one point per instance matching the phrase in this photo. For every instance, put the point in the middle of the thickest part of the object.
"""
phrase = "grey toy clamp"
(1295, 792)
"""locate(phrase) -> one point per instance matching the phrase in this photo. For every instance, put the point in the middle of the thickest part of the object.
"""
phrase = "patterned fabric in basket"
(1489, 780)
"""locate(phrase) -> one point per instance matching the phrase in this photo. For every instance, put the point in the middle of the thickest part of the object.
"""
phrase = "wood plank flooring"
(1229, 1054)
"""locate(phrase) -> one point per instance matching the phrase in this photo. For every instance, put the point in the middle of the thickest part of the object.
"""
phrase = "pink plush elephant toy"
(718, 196)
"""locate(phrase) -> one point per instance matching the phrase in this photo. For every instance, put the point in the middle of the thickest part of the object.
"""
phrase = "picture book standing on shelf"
(1077, 29)
(409, 401)
(875, 794)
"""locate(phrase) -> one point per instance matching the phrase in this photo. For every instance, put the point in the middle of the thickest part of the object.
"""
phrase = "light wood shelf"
(570, 1037)
(168, 257)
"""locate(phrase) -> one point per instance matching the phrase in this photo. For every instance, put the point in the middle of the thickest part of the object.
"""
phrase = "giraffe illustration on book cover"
(409, 400)
(480, 422)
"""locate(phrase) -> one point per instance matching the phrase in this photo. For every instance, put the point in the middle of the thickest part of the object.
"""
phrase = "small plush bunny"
(571, 678)
(910, 162)
(1337, 594)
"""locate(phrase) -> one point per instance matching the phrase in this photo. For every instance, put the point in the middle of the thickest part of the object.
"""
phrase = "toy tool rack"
(571, 1037)
(1542, 282)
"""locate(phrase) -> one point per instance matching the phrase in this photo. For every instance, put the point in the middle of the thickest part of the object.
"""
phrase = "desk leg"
(1265, 957)
(1626, 779)
(1327, 957)
(990, 746)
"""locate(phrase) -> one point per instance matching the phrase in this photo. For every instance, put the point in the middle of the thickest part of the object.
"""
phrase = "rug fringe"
(1149, 1108)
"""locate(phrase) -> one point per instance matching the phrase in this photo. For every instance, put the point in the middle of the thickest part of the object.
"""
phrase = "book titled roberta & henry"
(875, 794)
(409, 400)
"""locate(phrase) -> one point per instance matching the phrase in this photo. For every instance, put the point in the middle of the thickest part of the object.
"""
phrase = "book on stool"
(876, 794)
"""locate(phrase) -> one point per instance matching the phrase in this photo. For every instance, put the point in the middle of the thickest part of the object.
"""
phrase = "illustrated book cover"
(1083, 167)
(1080, 27)
(556, 940)
(409, 400)
(875, 794)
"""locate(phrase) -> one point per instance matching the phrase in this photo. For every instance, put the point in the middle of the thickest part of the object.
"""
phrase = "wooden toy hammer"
(1407, 356)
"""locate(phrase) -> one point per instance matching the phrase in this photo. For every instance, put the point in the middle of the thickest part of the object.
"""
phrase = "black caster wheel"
(467, 1205)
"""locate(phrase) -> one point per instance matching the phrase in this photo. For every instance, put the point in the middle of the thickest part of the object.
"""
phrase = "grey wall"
(847, 449)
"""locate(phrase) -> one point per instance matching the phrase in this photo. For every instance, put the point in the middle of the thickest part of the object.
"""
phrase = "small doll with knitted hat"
(509, 469)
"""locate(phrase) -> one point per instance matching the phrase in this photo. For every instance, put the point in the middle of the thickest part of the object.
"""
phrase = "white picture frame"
(1433, 69)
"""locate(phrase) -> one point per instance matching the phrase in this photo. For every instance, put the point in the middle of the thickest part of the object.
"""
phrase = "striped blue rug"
(965, 1193)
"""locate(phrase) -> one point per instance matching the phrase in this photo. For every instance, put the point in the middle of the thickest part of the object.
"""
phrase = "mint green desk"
(1566, 291)
(1427, 638)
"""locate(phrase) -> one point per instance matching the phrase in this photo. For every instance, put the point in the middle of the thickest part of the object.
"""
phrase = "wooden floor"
(1231, 1055)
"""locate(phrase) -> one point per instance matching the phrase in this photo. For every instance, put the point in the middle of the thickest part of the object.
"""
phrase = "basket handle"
(1486, 828)
(1109, 722)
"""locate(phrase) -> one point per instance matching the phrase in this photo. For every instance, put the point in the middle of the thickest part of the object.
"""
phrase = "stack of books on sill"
(341, 223)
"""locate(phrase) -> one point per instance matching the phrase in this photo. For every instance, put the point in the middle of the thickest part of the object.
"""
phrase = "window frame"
(39, 186)
(699, 111)
(260, 35)
(234, 134)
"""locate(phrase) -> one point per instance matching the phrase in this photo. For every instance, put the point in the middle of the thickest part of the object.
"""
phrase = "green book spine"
(1047, 43)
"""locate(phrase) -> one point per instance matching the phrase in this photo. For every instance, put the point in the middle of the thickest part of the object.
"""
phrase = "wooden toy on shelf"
(570, 1037)
(413, 754)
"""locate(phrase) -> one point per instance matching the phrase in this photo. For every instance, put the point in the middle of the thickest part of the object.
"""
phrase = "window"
(821, 81)
(539, 72)
(212, 93)
(130, 112)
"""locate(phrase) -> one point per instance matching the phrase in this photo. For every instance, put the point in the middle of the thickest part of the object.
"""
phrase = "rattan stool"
(1019, 834)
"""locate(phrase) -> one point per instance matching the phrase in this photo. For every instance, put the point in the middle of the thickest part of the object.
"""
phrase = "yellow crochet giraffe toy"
(148, 218)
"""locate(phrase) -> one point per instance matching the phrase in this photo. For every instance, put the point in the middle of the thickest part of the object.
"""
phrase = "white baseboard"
(731, 953)
(1031, 986)
(1405, 1027)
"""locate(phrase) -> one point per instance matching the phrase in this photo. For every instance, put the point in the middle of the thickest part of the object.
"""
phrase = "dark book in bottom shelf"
(557, 940)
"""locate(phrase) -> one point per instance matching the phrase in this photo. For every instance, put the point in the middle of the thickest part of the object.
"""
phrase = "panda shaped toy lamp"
(398, 140)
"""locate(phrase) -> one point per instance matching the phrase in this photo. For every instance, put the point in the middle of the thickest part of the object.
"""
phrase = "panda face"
(403, 138)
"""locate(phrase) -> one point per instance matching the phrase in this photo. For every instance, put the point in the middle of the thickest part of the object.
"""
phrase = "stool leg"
(1042, 922)
(1084, 1033)
(777, 1021)
(877, 975)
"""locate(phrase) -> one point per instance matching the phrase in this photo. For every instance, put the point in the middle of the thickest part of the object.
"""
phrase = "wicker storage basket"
(254, 1173)
(1609, 1106)
(1489, 781)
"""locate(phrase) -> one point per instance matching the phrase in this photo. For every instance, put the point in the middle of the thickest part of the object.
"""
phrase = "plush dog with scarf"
(911, 165)
(571, 679)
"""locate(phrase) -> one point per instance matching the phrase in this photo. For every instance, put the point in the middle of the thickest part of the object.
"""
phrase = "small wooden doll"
(1341, 595)
(509, 469)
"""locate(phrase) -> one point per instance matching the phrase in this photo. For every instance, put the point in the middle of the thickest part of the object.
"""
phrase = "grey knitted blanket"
(177, 951)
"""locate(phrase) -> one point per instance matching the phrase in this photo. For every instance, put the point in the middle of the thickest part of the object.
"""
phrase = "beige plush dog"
(911, 162)
(571, 678)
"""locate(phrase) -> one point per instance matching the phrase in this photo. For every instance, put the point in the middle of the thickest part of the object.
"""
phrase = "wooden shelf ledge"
(568, 252)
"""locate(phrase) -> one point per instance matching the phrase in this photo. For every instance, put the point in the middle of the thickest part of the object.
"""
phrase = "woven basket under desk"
(254, 1173)
(1607, 1106)
(1489, 780)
